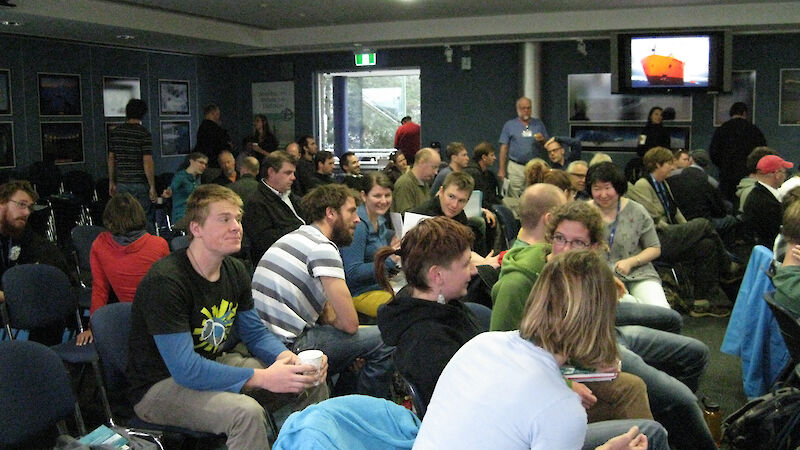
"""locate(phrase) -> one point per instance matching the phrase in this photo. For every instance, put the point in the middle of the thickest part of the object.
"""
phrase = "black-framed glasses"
(561, 241)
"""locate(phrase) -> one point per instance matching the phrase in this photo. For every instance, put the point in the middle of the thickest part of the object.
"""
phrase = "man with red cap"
(762, 209)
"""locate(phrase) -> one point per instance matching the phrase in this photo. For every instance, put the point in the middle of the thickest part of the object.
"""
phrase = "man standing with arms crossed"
(517, 141)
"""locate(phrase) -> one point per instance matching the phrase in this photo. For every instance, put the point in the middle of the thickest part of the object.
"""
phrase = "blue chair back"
(111, 327)
(37, 295)
(179, 242)
(509, 223)
(35, 391)
(83, 237)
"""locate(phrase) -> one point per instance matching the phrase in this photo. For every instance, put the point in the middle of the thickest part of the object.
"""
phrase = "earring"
(440, 299)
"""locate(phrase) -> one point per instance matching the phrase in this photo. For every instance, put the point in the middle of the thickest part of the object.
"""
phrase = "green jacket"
(520, 269)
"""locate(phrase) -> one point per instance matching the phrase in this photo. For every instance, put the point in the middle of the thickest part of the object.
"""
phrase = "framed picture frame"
(62, 142)
(590, 101)
(789, 98)
(109, 128)
(744, 90)
(623, 138)
(175, 138)
(117, 91)
(59, 94)
(8, 157)
(5, 92)
(173, 96)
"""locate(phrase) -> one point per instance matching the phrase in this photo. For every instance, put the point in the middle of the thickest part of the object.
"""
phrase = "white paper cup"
(311, 358)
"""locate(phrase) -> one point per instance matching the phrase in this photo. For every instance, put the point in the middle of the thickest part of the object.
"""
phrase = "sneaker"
(703, 308)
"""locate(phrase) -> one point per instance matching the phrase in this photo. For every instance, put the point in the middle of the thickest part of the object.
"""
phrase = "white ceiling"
(250, 27)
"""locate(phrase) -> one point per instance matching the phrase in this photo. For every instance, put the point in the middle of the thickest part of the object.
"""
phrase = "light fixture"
(125, 37)
(10, 23)
(448, 53)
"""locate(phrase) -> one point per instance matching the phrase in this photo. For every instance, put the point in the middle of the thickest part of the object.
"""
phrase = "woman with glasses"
(630, 233)
(505, 389)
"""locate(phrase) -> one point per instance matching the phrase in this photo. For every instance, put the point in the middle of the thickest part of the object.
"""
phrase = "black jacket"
(729, 147)
(695, 195)
(763, 215)
(426, 335)
(266, 219)
(655, 136)
(486, 182)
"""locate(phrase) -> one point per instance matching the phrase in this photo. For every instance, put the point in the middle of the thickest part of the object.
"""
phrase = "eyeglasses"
(561, 241)
(578, 175)
(22, 205)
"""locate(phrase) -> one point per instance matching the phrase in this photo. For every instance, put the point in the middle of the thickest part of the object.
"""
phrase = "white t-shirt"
(502, 392)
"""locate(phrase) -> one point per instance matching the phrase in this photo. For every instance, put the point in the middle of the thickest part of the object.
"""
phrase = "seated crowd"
(282, 258)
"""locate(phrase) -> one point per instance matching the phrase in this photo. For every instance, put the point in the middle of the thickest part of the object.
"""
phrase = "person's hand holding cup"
(318, 360)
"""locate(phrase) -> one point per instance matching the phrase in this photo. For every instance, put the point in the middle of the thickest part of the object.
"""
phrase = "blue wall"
(469, 106)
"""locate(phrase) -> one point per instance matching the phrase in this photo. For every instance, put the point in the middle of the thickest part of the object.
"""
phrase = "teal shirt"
(183, 184)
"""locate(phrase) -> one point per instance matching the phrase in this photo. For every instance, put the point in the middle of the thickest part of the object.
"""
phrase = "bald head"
(536, 201)
(249, 165)
(293, 149)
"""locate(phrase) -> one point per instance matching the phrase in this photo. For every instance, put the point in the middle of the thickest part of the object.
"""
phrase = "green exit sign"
(365, 59)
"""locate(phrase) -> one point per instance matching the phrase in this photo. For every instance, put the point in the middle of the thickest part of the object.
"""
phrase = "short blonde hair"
(571, 309)
(655, 157)
(202, 197)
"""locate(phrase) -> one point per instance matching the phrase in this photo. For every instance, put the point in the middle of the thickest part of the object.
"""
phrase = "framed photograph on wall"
(175, 139)
(7, 155)
(117, 92)
(590, 100)
(173, 97)
(62, 142)
(5, 91)
(109, 128)
(744, 90)
(623, 138)
(790, 97)
(59, 94)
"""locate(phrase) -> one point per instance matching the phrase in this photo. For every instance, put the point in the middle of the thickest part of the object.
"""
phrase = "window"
(374, 104)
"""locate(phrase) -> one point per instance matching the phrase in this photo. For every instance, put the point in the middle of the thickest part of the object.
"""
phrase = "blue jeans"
(656, 357)
(665, 319)
(599, 432)
(342, 349)
(142, 193)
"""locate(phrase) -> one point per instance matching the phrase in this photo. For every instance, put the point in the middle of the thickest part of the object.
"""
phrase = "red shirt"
(407, 140)
(122, 267)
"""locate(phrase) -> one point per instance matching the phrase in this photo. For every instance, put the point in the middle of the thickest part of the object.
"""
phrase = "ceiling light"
(11, 23)
(125, 37)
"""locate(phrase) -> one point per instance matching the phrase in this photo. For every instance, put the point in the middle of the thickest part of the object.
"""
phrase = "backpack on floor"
(768, 422)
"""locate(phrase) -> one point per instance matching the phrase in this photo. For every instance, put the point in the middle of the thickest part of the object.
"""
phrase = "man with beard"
(300, 292)
(21, 245)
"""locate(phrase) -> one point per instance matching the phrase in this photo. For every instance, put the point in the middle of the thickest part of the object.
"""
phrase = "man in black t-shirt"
(183, 314)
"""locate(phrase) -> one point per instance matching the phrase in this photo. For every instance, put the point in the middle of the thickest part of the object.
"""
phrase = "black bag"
(768, 422)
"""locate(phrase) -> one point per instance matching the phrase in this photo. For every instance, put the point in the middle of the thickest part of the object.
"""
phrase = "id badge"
(527, 133)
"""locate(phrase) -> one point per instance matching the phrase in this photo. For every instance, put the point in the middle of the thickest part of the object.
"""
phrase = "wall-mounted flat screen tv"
(671, 62)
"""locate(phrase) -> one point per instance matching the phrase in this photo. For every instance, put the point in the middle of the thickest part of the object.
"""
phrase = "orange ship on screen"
(663, 69)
